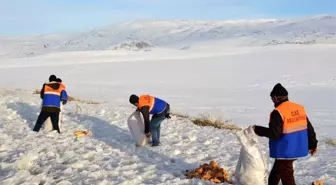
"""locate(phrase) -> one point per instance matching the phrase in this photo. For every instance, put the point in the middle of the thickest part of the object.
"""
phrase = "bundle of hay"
(80, 133)
(317, 183)
(211, 172)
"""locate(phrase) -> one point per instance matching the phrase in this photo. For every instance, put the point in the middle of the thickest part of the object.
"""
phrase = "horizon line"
(161, 19)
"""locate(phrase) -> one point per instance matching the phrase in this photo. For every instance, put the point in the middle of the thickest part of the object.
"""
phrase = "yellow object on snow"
(317, 183)
(79, 133)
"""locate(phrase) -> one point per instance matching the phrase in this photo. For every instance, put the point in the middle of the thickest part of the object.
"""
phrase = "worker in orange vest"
(48, 124)
(52, 95)
(291, 136)
(150, 105)
(61, 83)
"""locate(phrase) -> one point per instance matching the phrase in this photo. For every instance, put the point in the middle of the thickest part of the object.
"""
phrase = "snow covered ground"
(110, 156)
(233, 83)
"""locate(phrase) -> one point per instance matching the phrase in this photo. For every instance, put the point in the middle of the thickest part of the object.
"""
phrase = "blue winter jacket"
(53, 94)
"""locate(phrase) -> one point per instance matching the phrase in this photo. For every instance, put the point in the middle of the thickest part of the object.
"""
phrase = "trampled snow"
(211, 77)
(110, 155)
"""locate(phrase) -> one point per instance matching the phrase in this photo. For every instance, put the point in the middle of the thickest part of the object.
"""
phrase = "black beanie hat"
(278, 90)
(59, 80)
(133, 99)
(52, 78)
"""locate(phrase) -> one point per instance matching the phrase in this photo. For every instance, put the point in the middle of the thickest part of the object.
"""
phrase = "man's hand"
(252, 127)
(148, 134)
(313, 152)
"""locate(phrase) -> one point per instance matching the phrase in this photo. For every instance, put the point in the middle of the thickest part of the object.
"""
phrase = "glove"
(167, 116)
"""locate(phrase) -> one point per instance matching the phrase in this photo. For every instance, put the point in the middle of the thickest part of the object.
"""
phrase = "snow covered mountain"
(179, 34)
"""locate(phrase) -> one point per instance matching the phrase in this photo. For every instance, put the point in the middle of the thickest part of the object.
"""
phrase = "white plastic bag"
(137, 128)
(251, 168)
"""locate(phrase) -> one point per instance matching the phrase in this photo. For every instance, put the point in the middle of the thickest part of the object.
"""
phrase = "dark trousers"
(282, 170)
(44, 115)
(155, 128)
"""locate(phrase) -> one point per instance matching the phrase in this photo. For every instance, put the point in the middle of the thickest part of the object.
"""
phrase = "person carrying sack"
(291, 136)
(150, 105)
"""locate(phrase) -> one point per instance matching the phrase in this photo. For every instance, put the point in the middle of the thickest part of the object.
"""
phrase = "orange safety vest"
(146, 100)
(62, 85)
(49, 90)
(294, 117)
(294, 140)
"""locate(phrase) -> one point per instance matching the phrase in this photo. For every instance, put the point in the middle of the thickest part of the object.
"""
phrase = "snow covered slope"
(110, 156)
(179, 34)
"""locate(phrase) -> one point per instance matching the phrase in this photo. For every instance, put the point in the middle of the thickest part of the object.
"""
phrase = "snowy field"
(225, 69)
(232, 84)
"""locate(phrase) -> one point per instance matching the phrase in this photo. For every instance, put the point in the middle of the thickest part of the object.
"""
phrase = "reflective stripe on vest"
(294, 117)
(146, 100)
